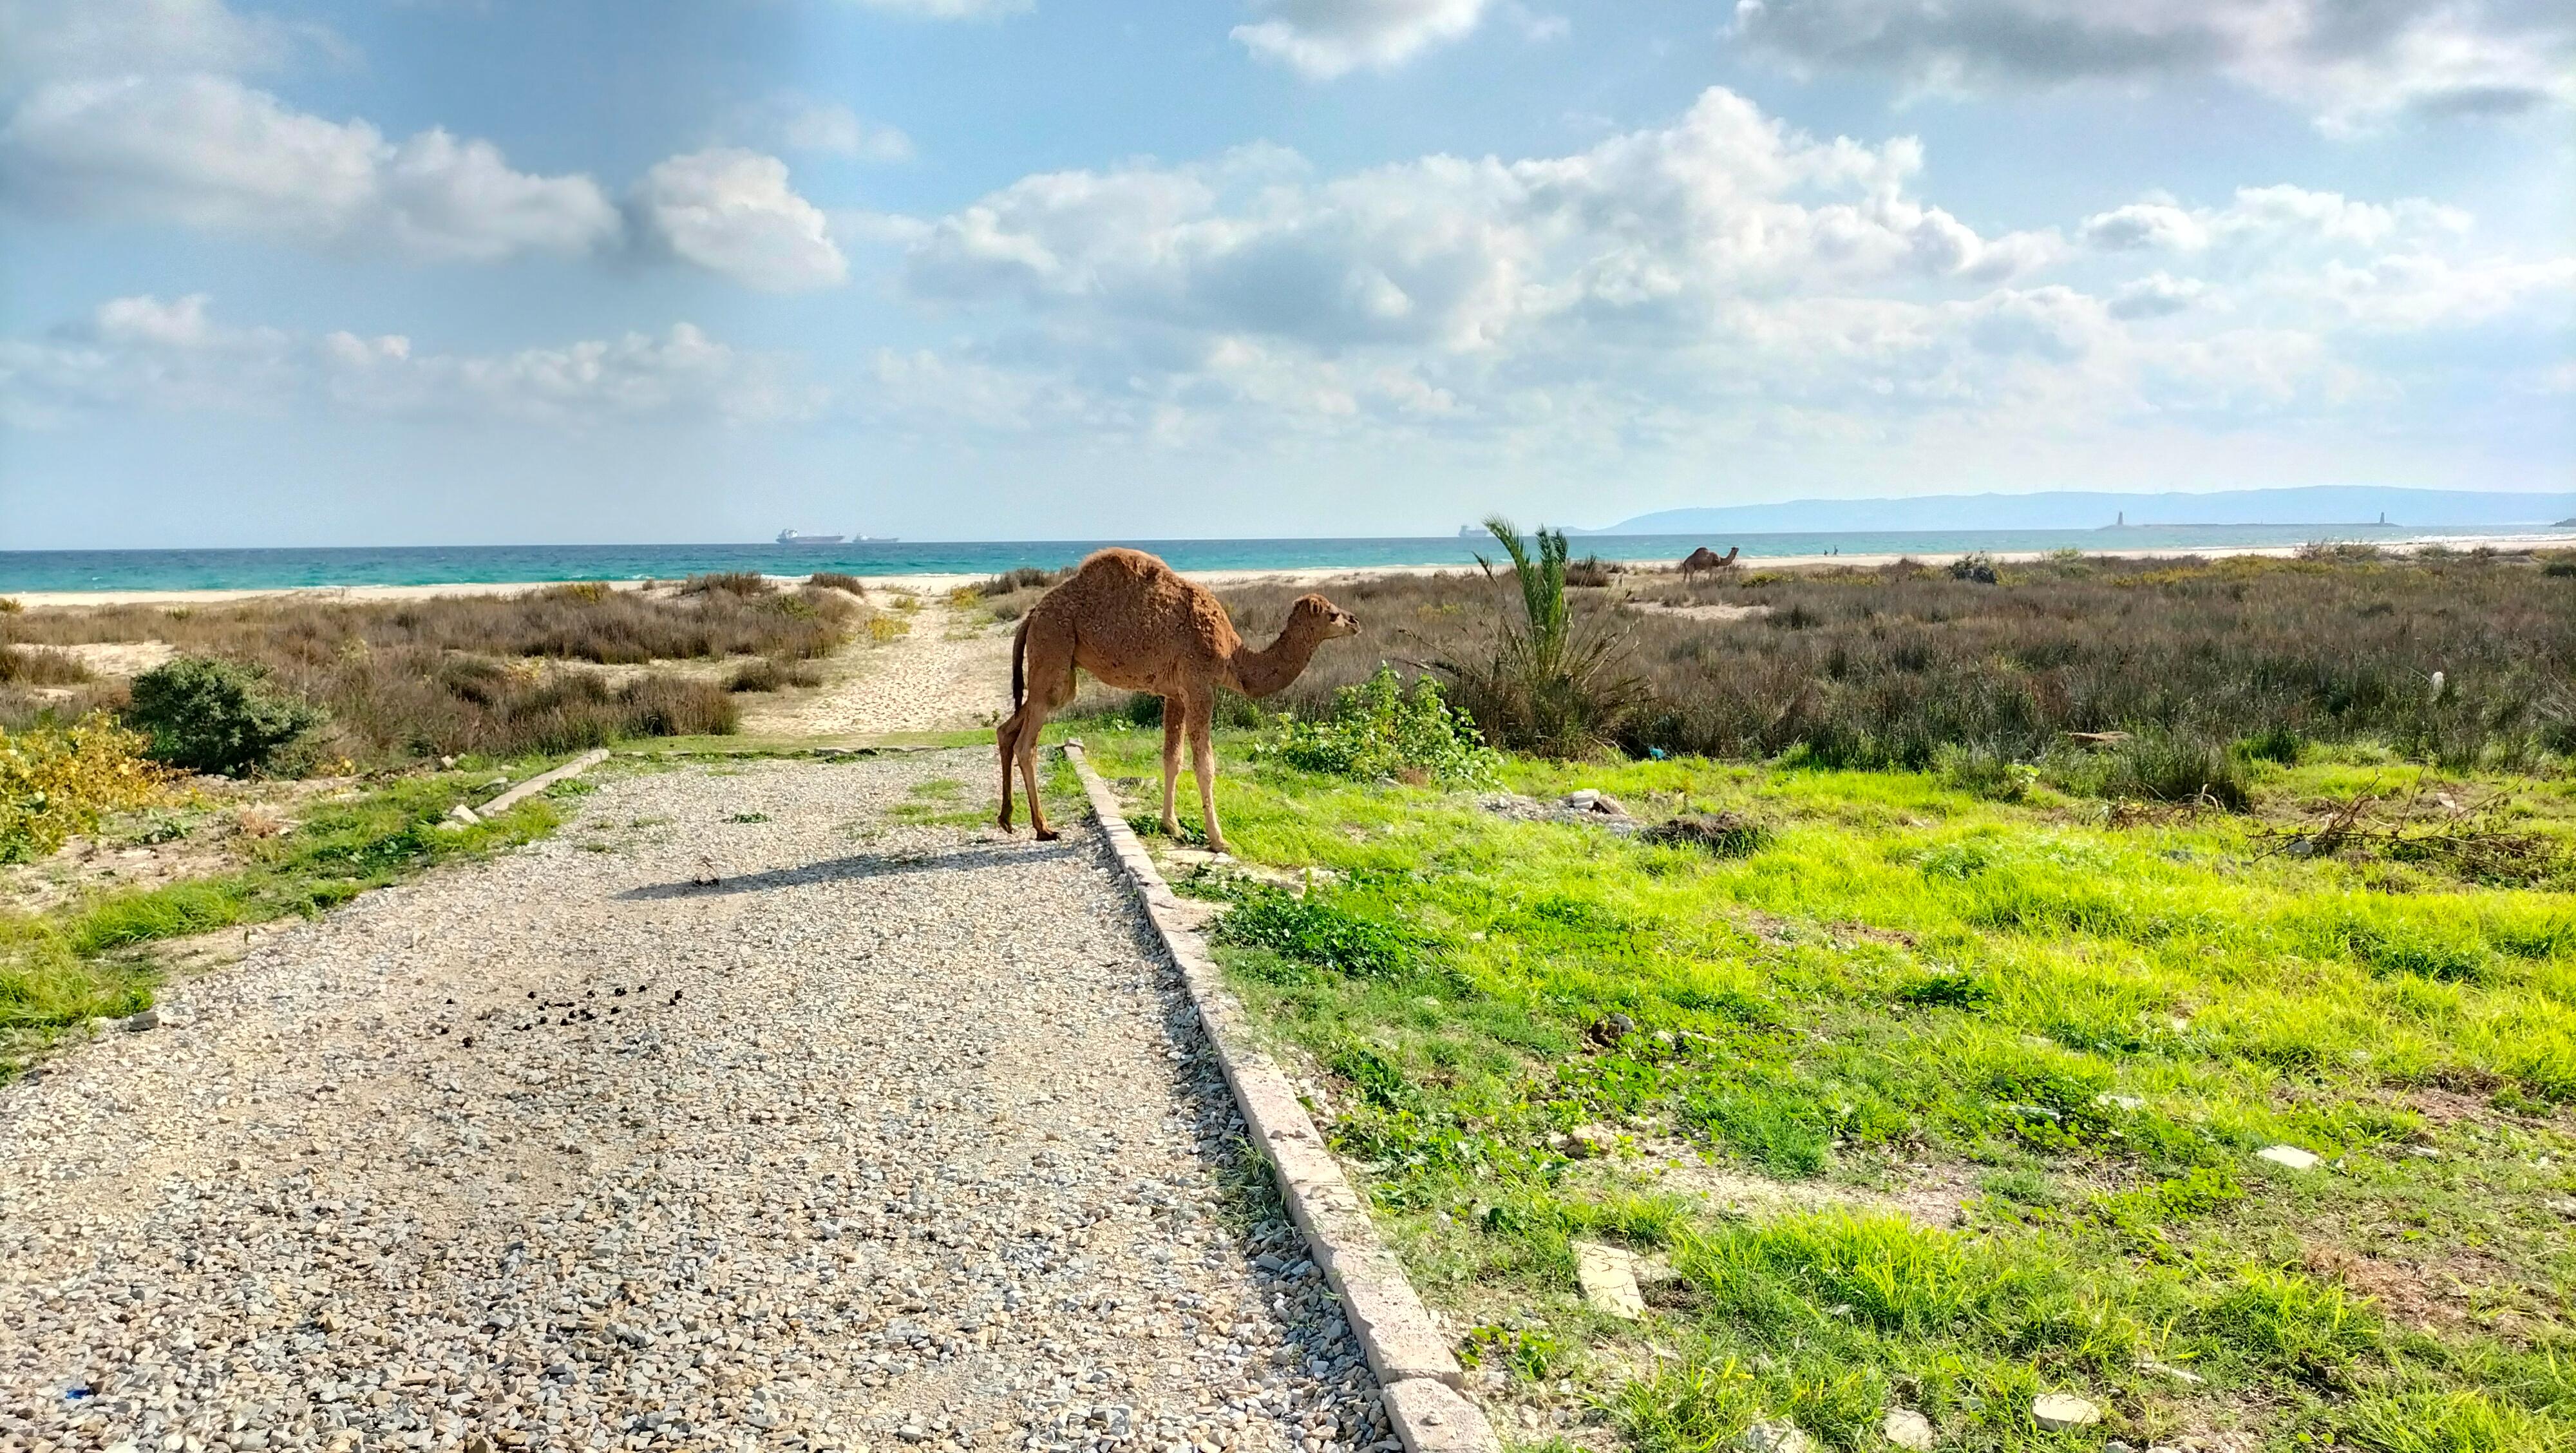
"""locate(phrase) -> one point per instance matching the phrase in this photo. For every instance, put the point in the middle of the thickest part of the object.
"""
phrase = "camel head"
(1316, 616)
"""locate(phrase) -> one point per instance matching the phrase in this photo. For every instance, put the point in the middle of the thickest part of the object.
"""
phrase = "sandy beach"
(940, 584)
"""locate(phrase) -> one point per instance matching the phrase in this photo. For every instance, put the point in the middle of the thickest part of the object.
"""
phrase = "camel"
(1705, 558)
(1133, 622)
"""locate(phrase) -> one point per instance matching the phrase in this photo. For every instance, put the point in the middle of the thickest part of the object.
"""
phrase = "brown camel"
(1705, 558)
(1132, 621)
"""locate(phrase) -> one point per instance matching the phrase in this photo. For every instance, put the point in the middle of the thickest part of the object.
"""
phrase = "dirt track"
(891, 1134)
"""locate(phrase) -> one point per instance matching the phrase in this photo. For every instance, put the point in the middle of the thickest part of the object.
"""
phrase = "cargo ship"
(798, 537)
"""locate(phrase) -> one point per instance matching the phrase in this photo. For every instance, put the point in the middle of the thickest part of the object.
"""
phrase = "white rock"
(2288, 1155)
(1907, 1428)
(1591, 1140)
(1775, 1438)
(2058, 1411)
(1609, 1278)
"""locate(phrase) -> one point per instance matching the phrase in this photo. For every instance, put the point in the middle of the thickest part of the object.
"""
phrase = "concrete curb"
(465, 816)
(1411, 1359)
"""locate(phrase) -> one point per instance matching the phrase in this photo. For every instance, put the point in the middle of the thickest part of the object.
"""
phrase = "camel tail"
(1019, 662)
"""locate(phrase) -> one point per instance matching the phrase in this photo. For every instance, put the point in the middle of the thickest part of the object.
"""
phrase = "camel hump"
(1120, 563)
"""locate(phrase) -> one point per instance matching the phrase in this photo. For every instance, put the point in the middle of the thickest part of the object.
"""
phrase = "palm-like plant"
(1550, 684)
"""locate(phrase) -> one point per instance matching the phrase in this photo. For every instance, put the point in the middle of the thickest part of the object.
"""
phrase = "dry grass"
(1889, 666)
(36, 666)
(471, 674)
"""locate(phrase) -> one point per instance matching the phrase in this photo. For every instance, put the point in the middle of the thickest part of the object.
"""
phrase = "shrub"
(1719, 834)
(57, 781)
(1550, 684)
(1592, 571)
(2276, 743)
(772, 676)
(1380, 729)
(10, 605)
(33, 666)
(1977, 566)
(1026, 577)
(836, 580)
(671, 706)
(207, 715)
(884, 628)
(1314, 931)
(2158, 767)
(745, 583)
(1981, 771)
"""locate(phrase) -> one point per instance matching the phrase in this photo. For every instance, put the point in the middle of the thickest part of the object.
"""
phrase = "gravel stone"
(898, 1136)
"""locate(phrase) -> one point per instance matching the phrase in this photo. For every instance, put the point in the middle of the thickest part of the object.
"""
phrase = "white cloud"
(2157, 295)
(1644, 235)
(1536, 27)
(147, 353)
(206, 151)
(2348, 64)
(639, 375)
(1322, 39)
(52, 39)
(731, 211)
(2273, 217)
(2413, 292)
(801, 123)
(1720, 272)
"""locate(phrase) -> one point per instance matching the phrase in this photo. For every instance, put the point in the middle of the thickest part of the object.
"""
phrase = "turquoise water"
(44, 570)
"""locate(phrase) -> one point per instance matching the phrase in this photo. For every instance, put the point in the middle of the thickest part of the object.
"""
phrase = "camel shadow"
(862, 866)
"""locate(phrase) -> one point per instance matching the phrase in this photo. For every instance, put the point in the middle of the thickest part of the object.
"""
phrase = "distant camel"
(1130, 620)
(1705, 558)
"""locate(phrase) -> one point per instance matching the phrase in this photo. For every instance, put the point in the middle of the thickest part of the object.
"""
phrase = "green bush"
(1976, 566)
(2279, 742)
(2161, 768)
(1313, 931)
(1380, 729)
(1981, 771)
(215, 716)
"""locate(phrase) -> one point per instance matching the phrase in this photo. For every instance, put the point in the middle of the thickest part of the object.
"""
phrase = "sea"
(278, 569)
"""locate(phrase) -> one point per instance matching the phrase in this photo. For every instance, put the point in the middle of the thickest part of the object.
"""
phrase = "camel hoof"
(1046, 835)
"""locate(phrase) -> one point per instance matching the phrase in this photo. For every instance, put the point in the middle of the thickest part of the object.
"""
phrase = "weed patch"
(1381, 729)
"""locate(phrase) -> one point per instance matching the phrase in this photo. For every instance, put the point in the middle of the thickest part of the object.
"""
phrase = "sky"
(476, 271)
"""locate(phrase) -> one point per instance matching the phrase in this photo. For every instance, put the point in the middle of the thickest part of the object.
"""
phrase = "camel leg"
(1029, 775)
(1203, 760)
(1175, 714)
(1007, 737)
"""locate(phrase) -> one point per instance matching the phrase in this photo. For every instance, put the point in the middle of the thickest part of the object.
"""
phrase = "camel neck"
(1269, 670)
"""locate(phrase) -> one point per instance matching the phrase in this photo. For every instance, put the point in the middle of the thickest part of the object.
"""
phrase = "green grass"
(60, 969)
(2086, 1029)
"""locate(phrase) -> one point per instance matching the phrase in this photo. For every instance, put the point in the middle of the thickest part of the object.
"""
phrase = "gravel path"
(949, 671)
(893, 1135)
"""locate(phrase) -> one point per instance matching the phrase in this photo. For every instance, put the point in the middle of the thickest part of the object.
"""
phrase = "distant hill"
(2085, 510)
